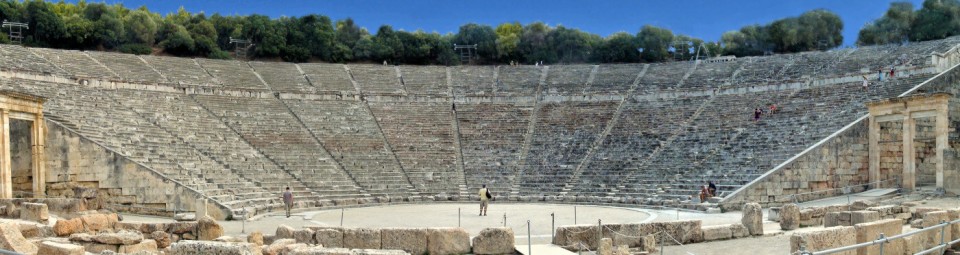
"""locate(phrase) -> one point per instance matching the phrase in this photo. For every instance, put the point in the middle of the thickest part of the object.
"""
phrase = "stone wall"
(79, 168)
(632, 235)
(20, 157)
(839, 162)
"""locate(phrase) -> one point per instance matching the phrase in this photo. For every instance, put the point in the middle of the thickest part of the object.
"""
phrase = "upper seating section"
(376, 79)
(19, 58)
(764, 70)
(232, 74)
(328, 77)
(568, 79)
(814, 64)
(491, 139)
(282, 77)
(128, 67)
(353, 138)
(182, 71)
(518, 80)
(472, 80)
(711, 75)
(76, 63)
(665, 76)
(422, 137)
(614, 78)
(431, 80)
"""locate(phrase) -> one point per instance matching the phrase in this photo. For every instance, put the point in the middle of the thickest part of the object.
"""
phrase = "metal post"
(848, 199)
(341, 217)
(504, 219)
(243, 228)
(553, 226)
(678, 213)
(660, 235)
(881, 243)
(574, 215)
(529, 249)
(942, 232)
(599, 231)
(458, 217)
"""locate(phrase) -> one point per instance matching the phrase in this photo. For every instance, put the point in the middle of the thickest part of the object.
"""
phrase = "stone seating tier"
(75, 62)
(328, 77)
(518, 80)
(491, 138)
(19, 58)
(181, 70)
(282, 77)
(430, 80)
(376, 78)
(614, 78)
(128, 67)
(232, 73)
(567, 79)
(472, 80)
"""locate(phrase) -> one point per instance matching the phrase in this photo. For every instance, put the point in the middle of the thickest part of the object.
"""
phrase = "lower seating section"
(270, 128)
(643, 127)
(129, 67)
(491, 138)
(181, 70)
(353, 138)
(376, 78)
(75, 62)
(424, 79)
(232, 73)
(567, 79)
(472, 80)
(563, 134)
(96, 115)
(518, 80)
(282, 77)
(183, 117)
(613, 78)
(421, 136)
(665, 76)
(19, 58)
(328, 77)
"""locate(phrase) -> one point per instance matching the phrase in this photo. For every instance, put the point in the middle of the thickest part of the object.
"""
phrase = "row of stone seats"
(128, 67)
(868, 59)
(98, 116)
(19, 58)
(491, 140)
(422, 137)
(424, 79)
(376, 78)
(711, 75)
(814, 64)
(282, 77)
(765, 70)
(518, 80)
(328, 77)
(562, 135)
(613, 78)
(472, 80)
(353, 138)
(567, 79)
(665, 76)
(193, 124)
(267, 125)
(232, 73)
(643, 126)
(76, 63)
(184, 71)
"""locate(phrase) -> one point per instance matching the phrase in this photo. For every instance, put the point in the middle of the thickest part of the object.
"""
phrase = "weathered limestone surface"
(753, 218)
(790, 217)
(12, 240)
(256, 237)
(209, 228)
(304, 236)
(277, 246)
(496, 241)
(412, 240)
(448, 241)
(361, 238)
(212, 248)
(718, 232)
(55, 248)
(871, 231)
(284, 231)
(825, 239)
(329, 237)
(34, 212)
(66, 227)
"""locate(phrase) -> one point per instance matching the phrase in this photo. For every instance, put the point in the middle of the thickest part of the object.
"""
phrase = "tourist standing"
(287, 201)
(879, 74)
(756, 114)
(866, 83)
(484, 200)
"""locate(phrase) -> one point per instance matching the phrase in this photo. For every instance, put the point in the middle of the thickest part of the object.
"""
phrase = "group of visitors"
(708, 191)
(757, 112)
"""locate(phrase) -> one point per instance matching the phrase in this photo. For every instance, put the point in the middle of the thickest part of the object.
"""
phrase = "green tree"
(655, 43)
(621, 47)
(46, 28)
(508, 39)
(534, 45)
(937, 19)
(140, 27)
(893, 27)
(107, 26)
(481, 35)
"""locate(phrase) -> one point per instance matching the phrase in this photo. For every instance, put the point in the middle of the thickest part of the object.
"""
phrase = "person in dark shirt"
(712, 188)
(287, 201)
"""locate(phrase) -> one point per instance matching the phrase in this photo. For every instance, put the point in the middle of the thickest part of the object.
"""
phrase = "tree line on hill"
(316, 37)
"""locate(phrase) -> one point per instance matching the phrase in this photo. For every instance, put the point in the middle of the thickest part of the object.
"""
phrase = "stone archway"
(907, 139)
(20, 106)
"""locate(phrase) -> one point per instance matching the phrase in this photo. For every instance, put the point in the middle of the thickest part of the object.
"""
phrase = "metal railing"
(882, 240)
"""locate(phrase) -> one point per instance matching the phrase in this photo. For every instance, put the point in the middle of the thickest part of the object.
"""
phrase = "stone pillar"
(201, 209)
(941, 131)
(39, 161)
(909, 181)
(6, 173)
(874, 148)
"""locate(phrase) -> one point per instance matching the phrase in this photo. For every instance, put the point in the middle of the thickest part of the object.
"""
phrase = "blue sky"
(706, 19)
